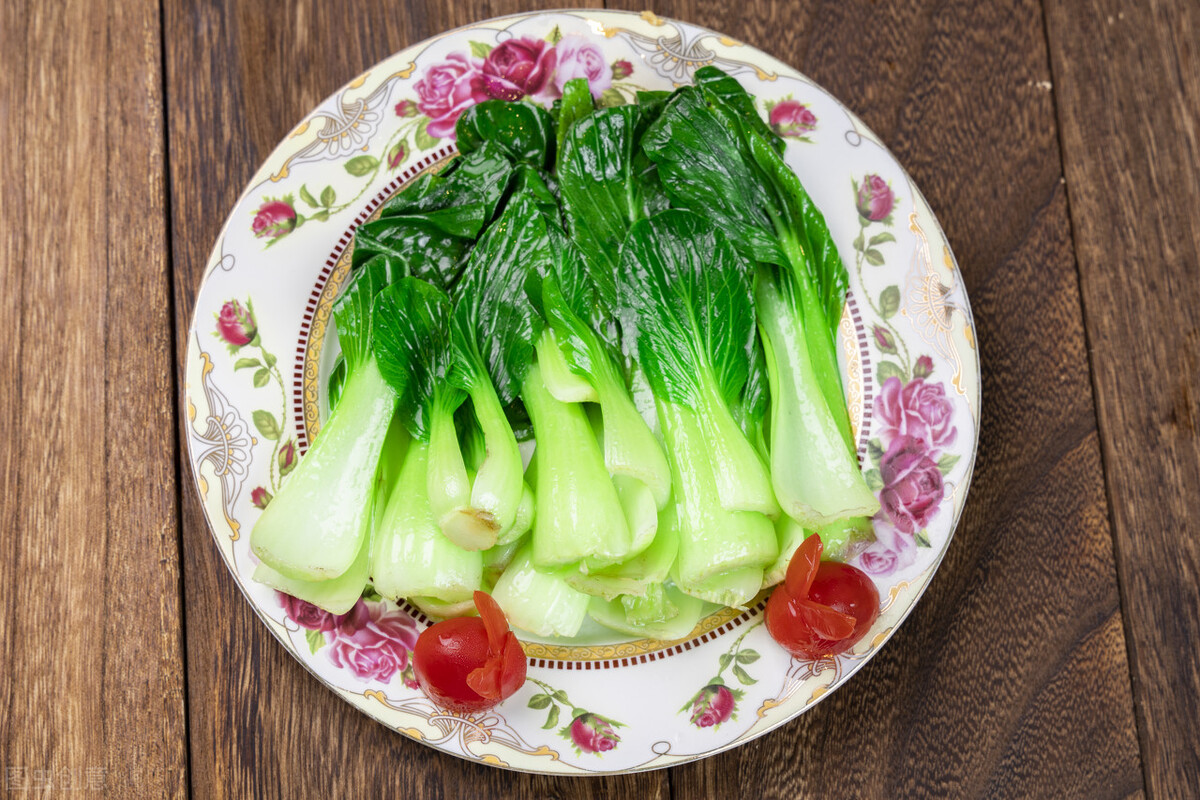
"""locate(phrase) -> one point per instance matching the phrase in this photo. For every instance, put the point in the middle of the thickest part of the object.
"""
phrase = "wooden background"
(1057, 652)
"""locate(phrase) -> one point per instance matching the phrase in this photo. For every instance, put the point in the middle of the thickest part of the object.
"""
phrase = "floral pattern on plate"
(612, 707)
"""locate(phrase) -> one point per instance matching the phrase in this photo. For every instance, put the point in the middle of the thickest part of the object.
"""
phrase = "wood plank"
(92, 672)
(1127, 82)
(261, 726)
(1010, 679)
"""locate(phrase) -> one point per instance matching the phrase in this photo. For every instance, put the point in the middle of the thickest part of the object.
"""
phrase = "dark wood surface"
(1055, 653)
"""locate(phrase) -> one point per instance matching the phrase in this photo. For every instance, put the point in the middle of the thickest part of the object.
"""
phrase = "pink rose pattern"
(716, 703)
(447, 90)
(791, 119)
(514, 69)
(274, 219)
(592, 733)
(915, 416)
(916, 426)
(578, 57)
(587, 731)
(712, 705)
(371, 640)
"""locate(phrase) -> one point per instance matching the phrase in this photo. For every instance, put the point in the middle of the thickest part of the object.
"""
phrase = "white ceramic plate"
(256, 373)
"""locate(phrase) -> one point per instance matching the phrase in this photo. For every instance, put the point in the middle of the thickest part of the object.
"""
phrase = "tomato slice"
(823, 607)
(470, 664)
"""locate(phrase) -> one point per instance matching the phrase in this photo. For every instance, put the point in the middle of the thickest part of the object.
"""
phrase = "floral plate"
(256, 368)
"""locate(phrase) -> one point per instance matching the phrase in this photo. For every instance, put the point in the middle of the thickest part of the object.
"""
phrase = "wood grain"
(239, 77)
(1127, 77)
(1010, 679)
(92, 671)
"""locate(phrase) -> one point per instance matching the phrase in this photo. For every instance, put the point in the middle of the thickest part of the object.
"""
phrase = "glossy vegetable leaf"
(576, 104)
(734, 96)
(601, 190)
(411, 246)
(414, 352)
(686, 291)
(352, 311)
(522, 131)
(495, 326)
(430, 226)
(712, 159)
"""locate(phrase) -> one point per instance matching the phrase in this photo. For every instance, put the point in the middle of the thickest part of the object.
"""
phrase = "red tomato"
(823, 607)
(470, 663)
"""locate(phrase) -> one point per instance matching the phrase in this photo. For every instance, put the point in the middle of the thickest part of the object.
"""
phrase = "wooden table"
(1057, 652)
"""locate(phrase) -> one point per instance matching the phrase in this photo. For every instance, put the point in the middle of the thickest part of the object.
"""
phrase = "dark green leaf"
(713, 160)
(307, 197)
(576, 104)
(601, 190)
(874, 257)
(494, 324)
(743, 676)
(261, 376)
(875, 449)
(751, 409)
(551, 718)
(880, 238)
(461, 199)
(540, 701)
(411, 328)
(874, 479)
(522, 131)
(265, 422)
(352, 311)
(412, 246)
(947, 462)
(246, 363)
(362, 165)
(328, 196)
(688, 293)
(747, 656)
(889, 369)
(889, 301)
(735, 97)
(337, 382)
(480, 49)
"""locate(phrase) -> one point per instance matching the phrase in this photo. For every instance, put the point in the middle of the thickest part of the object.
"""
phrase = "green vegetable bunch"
(648, 297)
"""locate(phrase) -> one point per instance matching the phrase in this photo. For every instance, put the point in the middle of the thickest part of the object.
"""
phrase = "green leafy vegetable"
(315, 527)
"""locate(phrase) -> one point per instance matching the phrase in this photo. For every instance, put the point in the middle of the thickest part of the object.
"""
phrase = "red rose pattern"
(792, 119)
(274, 219)
(592, 733)
(518, 68)
(875, 198)
(713, 705)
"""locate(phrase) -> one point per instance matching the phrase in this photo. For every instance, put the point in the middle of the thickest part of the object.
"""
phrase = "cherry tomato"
(470, 663)
(823, 607)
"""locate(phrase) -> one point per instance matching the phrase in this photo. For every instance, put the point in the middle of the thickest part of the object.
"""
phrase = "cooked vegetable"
(648, 293)
(714, 157)
(316, 525)
(685, 292)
